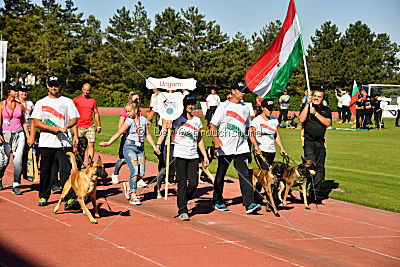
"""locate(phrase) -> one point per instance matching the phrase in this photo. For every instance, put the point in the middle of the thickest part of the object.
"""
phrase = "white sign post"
(3, 58)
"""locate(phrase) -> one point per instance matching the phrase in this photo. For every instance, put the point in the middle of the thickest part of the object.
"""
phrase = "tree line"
(54, 38)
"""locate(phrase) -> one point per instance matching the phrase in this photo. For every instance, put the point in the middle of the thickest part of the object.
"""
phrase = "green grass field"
(361, 167)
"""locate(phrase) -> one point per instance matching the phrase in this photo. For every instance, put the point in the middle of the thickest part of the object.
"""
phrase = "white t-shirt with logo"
(213, 100)
(232, 121)
(187, 132)
(265, 133)
(55, 112)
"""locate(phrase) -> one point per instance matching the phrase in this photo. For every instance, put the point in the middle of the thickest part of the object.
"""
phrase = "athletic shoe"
(184, 217)
(221, 207)
(135, 200)
(141, 183)
(253, 208)
(71, 204)
(1, 186)
(42, 202)
(16, 191)
(114, 179)
(126, 190)
(56, 190)
(159, 194)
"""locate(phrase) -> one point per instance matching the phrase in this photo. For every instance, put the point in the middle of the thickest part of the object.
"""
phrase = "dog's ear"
(99, 160)
(304, 161)
(90, 161)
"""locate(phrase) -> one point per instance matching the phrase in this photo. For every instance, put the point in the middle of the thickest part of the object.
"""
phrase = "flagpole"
(304, 58)
(1, 97)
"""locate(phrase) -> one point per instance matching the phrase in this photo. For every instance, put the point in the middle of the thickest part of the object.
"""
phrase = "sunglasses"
(52, 84)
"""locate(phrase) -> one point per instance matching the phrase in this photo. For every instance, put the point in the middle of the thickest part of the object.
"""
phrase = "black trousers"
(359, 116)
(187, 171)
(48, 156)
(367, 121)
(283, 114)
(209, 114)
(242, 168)
(398, 117)
(269, 157)
(317, 153)
(340, 113)
(346, 113)
(377, 118)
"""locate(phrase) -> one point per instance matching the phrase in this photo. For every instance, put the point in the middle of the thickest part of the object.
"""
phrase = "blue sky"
(249, 16)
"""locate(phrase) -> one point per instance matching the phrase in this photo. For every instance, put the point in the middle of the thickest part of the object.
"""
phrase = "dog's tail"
(73, 161)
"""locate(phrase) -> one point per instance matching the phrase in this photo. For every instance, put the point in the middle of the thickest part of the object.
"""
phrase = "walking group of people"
(229, 124)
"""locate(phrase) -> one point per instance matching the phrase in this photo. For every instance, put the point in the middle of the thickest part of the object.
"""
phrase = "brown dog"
(268, 180)
(297, 175)
(84, 184)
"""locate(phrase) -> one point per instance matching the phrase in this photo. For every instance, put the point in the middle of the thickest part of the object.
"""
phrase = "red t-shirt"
(85, 108)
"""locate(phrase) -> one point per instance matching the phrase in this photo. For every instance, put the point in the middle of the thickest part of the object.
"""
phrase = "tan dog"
(84, 184)
(297, 176)
(268, 180)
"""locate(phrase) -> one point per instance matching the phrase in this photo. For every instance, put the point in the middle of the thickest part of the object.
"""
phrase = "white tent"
(171, 83)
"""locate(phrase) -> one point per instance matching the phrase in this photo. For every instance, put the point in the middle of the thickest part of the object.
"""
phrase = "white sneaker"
(141, 183)
(114, 179)
(135, 201)
(159, 194)
(126, 190)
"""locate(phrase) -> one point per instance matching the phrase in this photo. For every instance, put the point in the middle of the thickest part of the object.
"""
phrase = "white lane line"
(242, 246)
(337, 237)
(322, 237)
(366, 223)
(125, 249)
(360, 171)
(34, 211)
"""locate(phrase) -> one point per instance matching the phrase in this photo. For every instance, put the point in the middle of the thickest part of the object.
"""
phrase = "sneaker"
(56, 190)
(71, 204)
(184, 217)
(141, 183)
(1, 186)
(171, 183)
(221, 207)
(114, 179)
(42, 202)
(159, 194)
(253, 208)
(126, 190)
(16, 191)
(135, 200)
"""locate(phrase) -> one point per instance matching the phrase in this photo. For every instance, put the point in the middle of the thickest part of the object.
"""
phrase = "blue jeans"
(135, 158)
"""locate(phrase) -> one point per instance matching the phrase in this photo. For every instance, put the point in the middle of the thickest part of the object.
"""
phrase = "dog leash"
(59, 134)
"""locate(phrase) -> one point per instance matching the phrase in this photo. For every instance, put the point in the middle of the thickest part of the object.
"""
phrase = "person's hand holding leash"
(257, 150)
(57, 129)
(206, 162)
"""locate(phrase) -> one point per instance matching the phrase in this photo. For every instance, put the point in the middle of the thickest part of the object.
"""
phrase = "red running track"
(337, 233)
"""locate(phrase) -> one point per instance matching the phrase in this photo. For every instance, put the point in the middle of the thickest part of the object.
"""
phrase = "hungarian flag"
(269, 75)
(354, 97)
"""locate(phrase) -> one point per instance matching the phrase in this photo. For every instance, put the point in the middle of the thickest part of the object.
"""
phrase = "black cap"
(22, 88)
(213, 89)
(285, 90)
(268, 103)
(53, 80)
(189, 99)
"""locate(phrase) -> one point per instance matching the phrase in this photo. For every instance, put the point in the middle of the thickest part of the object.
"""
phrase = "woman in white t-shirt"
(263, 133)
(187, 137)
(133, 149)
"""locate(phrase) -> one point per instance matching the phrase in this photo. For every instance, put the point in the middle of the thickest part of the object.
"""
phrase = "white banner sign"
(171, 83)
(170, 105)
(3, 57)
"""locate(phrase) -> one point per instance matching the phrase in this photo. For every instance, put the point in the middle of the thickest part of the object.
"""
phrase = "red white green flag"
(354, 97)
(269, 75)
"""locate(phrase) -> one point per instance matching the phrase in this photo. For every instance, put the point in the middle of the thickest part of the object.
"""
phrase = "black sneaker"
(71, 204)
(16, 191)
(56, 190)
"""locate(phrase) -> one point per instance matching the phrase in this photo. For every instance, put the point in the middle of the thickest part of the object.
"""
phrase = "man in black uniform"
(368, 111)
(359, 111)
(315, 119)
(376, 104)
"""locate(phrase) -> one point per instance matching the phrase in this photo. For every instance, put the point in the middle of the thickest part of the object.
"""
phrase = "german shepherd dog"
(211, 154)
(297, 175)
(84, 184)
(269, 180)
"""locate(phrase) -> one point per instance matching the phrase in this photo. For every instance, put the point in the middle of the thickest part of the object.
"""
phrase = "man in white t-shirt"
(346, 113)
(232, 119)
(212, 103)
(54, 115)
